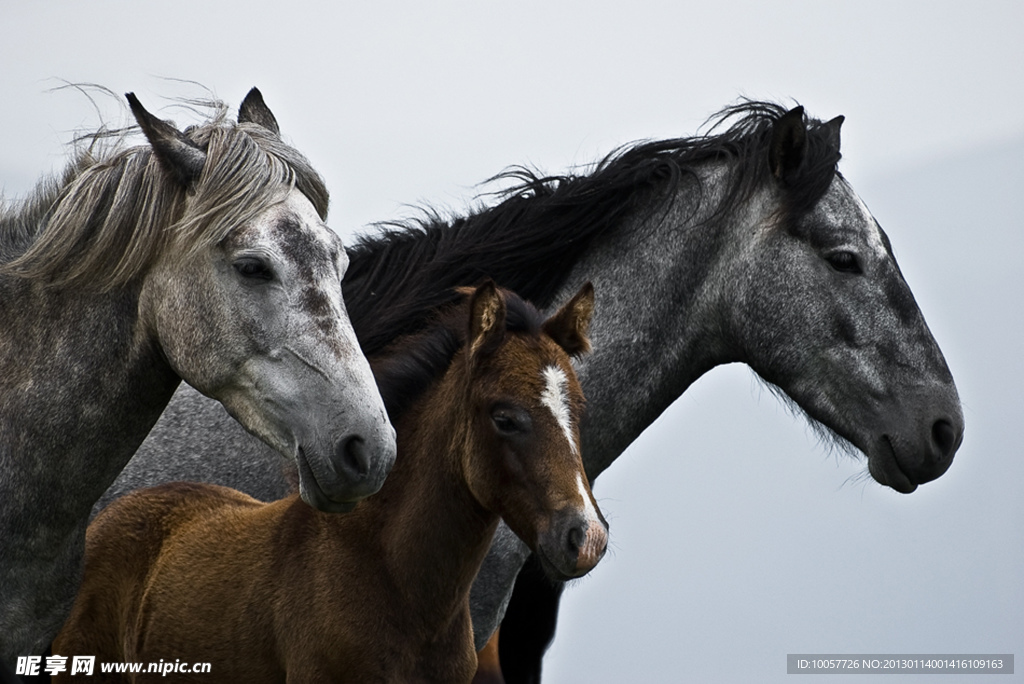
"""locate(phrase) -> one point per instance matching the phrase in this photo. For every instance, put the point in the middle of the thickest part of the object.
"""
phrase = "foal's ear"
(788, 145)
(568, 328)
(181, 157)
(254, 110)
(486, 321)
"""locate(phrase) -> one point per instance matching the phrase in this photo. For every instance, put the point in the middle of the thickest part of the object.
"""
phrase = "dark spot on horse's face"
(889, 350)
(314, 302)
(301, 248)
(899, 298)
(285, 227)
(846, 329)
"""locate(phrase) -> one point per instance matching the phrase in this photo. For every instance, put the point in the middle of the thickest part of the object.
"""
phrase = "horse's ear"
(486, 321)
(569, 326)
(832, 129)
(788, 146)
(254, 110)
(181, 157)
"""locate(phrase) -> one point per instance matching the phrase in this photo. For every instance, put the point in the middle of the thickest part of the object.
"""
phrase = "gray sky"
(737, 538)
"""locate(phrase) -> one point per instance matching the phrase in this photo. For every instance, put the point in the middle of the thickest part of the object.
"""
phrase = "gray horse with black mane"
(741, 245)
(201, 256)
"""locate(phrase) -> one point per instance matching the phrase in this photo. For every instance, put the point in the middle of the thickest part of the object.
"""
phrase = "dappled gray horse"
(201, 256)
(741, 245)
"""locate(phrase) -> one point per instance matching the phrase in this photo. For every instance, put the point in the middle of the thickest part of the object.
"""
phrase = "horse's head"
(822, 312)
(252, 314)
(523, 459)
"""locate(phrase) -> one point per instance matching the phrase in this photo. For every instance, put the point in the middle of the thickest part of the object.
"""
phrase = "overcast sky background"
(737, 538)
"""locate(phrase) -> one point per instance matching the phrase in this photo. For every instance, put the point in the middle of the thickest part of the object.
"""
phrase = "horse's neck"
(433, 532)
(80, 386)
(658, 321)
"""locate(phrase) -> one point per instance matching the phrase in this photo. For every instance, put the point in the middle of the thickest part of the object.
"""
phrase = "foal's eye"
(504, 423)
(253, 268)
(510, 421)
(844, 262)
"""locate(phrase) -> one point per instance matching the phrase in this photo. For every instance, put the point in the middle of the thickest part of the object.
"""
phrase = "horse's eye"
(844, 262)
(510, 421)
(253, 268)
(505, 424)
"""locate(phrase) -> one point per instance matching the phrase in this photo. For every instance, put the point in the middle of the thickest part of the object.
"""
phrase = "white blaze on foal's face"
(589, 510)
(555, 398)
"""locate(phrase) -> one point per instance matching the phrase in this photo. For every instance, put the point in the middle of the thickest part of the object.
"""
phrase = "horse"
(741, 244)
(201, 256)
(487, 409)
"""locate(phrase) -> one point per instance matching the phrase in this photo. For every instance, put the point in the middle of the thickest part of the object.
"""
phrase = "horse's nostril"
(351, 454)
(577, 535)
(944, 436)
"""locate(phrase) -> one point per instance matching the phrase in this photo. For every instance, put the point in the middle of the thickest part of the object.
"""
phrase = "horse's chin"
(885, 467)
(313, 494)
(553, 572)
(326, 505)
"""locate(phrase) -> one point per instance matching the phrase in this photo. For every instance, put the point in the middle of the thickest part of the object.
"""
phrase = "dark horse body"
(201, 256)
(744, 245)
(487, 411)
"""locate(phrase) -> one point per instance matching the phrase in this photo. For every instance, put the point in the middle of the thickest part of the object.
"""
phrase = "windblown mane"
(115, 209)
(410, 364)
(529, 241)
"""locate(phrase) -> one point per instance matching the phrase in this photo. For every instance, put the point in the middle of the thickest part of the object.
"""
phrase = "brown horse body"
(281, 592)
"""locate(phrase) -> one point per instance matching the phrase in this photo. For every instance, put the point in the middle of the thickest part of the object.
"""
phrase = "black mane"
(410, 364)
(529, 241)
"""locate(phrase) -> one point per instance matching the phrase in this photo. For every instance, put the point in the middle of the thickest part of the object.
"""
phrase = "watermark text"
(900, 663)
(86, 665)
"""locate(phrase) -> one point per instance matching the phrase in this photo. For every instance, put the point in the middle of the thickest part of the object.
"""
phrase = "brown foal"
(486, 407)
